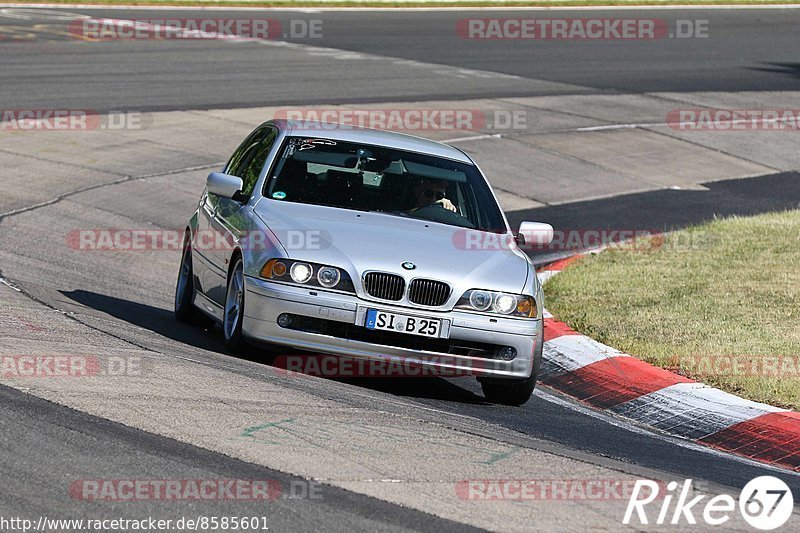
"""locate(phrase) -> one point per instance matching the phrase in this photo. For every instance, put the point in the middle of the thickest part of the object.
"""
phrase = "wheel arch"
(235, 254)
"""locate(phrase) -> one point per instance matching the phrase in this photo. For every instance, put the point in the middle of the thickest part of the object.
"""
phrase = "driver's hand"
(447, 204)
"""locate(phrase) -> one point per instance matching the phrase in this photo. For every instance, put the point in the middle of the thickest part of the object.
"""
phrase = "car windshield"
(371, 178)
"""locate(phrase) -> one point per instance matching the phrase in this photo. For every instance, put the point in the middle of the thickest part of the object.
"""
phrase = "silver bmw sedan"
(365, 244)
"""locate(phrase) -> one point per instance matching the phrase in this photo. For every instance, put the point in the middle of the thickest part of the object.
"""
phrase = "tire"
(509, 391)
(234, 309)
(185, 311)
(514, 392)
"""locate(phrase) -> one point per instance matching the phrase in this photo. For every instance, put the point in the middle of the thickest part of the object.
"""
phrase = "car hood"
(361, 241)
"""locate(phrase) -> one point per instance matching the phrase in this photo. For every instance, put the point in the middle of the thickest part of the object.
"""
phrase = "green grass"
(390, 3)
(724, 291)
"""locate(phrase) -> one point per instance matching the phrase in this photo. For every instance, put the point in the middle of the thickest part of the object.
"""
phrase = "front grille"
(428, 292)
(384, 286)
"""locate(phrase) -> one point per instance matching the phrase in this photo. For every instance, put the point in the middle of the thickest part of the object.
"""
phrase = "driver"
(431, 191)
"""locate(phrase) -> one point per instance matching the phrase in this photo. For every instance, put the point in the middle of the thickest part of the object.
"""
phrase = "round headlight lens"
(301, 272)
(505, 303)
(480, 300)
(328, 276)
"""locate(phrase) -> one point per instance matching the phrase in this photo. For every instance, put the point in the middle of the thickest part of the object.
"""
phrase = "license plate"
(413, 325)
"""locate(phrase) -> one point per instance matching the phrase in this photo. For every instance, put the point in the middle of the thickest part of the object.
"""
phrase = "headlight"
(301, 272)
(500, 303)
(307, 274)
(505, 303)
(328, 276)
(480, 300)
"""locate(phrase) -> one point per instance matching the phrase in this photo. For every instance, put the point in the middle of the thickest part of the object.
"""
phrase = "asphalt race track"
(386, 452)
(739, 55)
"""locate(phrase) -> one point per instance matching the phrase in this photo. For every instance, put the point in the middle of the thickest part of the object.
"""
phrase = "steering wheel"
(437, 213)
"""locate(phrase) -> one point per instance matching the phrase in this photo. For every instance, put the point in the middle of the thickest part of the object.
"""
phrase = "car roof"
(389, 139)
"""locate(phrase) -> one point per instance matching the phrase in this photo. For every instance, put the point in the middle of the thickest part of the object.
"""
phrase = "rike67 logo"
(766, 503)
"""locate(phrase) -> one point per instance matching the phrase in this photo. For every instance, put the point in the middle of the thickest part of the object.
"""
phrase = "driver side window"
(248, 160)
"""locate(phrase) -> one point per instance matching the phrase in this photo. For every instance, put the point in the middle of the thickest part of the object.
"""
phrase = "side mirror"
(225, 185)
(535, 233)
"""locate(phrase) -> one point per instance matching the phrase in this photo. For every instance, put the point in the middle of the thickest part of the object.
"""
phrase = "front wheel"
(514, 391)
(234, 309)
(509, 391)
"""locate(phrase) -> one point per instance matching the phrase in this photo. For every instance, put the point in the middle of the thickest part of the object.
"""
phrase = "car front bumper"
(265, 301)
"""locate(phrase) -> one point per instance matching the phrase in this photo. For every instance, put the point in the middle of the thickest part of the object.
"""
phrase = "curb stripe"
(692, 410)
(545, 275)
(561, 264)
(772, 438)
(614, 381)
(554, 329)
(570, 353)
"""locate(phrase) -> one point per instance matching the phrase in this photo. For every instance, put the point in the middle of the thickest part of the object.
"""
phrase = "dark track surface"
(61, 446)
(43, 66)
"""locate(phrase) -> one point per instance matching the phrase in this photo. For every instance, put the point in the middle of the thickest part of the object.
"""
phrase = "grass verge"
(719, 302)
